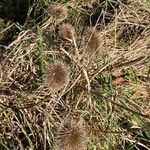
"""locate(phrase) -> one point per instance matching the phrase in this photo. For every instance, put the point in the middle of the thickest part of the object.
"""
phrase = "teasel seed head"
(71, 135)
(67, 31)
(92, 41)
(57, 76)
(58, 12)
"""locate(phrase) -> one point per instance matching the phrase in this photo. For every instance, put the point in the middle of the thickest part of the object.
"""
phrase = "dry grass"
(116, 116)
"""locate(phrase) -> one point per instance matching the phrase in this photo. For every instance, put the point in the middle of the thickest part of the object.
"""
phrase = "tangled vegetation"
(75, 75)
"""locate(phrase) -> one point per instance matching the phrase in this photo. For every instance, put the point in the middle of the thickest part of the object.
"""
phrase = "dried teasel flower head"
(67, 31)
(58, 12)
(57, 76)
(71, 135)
(91, 41)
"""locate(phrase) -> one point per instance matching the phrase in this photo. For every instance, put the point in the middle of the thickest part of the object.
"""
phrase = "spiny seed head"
(92, 40)
(67, 31)
(71, 135)
(57, 76)
(58, 12)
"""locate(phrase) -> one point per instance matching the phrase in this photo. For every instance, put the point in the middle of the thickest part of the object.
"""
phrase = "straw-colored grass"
(45, 76)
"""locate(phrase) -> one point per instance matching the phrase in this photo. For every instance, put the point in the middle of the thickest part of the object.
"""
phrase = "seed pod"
(58, 12)
(71, 135)
(91, 41)
(57, 76)
(67, 31)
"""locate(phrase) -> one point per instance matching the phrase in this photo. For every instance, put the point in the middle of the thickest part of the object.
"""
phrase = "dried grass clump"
(1, 24)
(57, 76)
(67, 31)
(71, 135)
(29, 114)
(126, 37)
(92, 41)
(58, 12)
